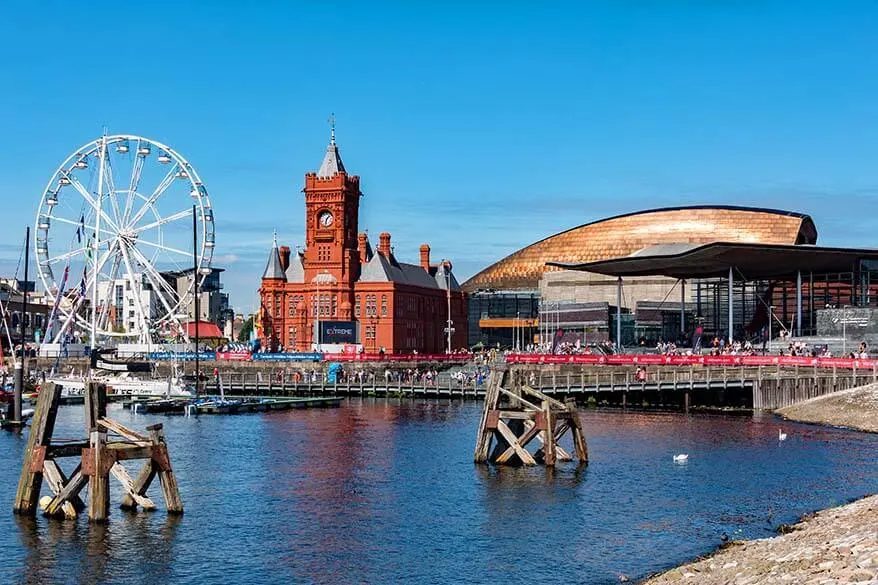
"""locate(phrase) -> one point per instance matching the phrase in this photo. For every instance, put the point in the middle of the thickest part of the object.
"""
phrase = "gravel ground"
(835, 546)
(856, 408)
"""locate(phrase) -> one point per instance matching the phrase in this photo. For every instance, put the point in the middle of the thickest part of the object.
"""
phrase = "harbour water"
(385, 491)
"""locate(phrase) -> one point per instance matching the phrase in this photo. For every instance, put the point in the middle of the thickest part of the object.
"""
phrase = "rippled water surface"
(386, 491)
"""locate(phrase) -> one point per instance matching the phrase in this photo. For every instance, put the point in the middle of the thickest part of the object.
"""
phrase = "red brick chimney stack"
(362, 246)
(384, 244)
(425, 257)
(284, 257)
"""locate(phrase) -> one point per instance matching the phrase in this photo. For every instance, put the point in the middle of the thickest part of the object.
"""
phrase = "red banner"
(395, 357)
(233, 356)
(692, 360)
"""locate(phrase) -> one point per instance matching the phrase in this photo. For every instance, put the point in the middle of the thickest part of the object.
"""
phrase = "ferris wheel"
(116, 235)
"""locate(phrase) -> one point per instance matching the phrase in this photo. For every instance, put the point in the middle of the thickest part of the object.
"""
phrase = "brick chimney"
(425, 257)
(363, 246)
(384, 244)
(284, 252)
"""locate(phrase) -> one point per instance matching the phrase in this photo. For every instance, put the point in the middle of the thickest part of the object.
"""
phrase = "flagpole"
(97, 239)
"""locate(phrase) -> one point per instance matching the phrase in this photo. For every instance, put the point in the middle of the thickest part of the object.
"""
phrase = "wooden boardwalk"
(761, 387)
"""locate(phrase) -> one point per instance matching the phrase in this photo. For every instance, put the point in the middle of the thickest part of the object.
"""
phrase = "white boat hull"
(116, 386)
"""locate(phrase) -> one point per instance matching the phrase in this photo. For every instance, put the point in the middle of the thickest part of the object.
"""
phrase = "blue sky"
(476, 127)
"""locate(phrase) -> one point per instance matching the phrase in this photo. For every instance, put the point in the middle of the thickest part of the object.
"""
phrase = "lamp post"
(844, 329)
(518, 331)
(770, 319)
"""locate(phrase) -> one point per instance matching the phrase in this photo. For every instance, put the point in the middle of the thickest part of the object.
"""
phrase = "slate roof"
(331, 164)
(295, 271)
(273, 268)
(386, 269)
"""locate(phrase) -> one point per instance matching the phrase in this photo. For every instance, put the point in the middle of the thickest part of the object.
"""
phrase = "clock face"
(324, 219)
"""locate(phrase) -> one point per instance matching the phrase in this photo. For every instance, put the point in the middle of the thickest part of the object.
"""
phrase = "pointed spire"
(273, 269)
(331, 164)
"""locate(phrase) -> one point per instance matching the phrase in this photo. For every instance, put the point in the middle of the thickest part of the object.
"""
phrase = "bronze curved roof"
(625, 234)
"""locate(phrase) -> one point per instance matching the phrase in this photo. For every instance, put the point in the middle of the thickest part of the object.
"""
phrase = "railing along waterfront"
(692, 360)
(759, 387)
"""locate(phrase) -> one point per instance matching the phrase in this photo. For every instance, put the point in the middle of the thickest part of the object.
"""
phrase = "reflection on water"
(385, 491)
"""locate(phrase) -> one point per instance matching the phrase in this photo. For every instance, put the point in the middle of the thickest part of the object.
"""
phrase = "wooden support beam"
(120, 473)
(166, 475)
(541, 396)
(67, 449)
(516, 398)
(94, 464)
(510, 437)
(548, 435)
(30, 481)
(579, 442)
(125, 451)
(520, 414)
(523, 441)
(70, 492)
(121, 430)
(140, 485)
(95, 405)
(485, 434)
(56, 480)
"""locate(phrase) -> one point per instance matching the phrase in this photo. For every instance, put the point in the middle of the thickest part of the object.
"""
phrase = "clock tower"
(332, 205)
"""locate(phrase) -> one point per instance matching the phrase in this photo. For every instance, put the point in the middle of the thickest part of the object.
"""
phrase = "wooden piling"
(526, 414)
(99, 458)
(139, 486)
(95, 466)
(30, 481)
(167, 479)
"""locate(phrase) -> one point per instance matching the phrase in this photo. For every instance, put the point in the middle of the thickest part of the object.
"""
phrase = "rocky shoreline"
(834, 546)
(856, 408)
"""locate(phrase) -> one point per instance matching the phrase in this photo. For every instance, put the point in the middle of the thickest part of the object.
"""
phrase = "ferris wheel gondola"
(121, 220)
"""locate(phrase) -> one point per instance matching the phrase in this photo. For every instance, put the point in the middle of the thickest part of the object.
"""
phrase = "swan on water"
(681, 458)
(781, 436)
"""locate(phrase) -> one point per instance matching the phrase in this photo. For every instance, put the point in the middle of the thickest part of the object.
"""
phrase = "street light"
(517, 331)
(770, 319)
(844, 329)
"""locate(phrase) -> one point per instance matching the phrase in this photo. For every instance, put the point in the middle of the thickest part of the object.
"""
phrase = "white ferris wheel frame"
(121, 229)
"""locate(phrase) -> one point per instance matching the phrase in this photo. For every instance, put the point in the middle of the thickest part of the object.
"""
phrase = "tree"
(244, 333)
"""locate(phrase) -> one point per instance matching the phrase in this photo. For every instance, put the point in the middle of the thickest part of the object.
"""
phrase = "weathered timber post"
(96, 463)
(162, 460)
(27, 495)
(526, 414)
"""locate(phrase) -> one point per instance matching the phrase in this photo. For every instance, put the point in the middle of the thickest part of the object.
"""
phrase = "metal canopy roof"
(753, 261)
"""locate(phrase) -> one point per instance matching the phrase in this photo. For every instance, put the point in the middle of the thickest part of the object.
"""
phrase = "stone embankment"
(835, 546)
(856, 408)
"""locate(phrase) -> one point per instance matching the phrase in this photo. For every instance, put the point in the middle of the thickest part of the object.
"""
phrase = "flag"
(54, 313)
(81, 229)
(82, 282)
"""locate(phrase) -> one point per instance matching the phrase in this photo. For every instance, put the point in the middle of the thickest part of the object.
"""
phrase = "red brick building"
(362, 295)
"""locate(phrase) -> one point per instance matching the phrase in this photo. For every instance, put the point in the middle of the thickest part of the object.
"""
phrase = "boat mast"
(196, 291)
